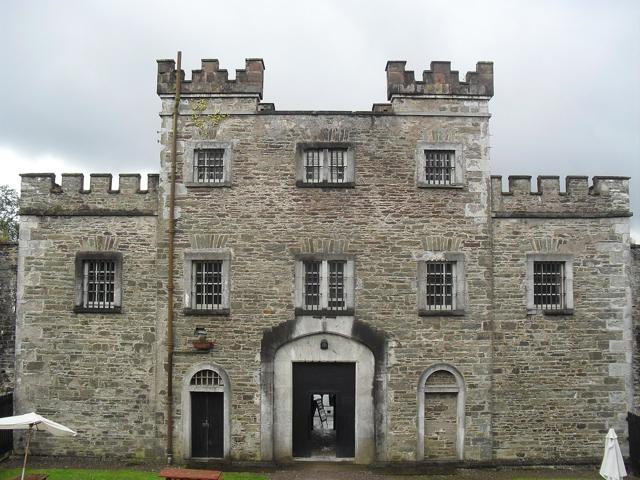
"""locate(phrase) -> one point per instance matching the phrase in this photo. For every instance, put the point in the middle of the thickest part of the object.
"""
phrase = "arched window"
(441, 417)
(207, 378)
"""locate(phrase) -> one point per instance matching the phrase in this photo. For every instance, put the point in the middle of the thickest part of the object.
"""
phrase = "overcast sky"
(79, 77)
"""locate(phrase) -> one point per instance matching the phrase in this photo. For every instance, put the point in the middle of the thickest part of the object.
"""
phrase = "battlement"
(211, 79)
(41, 195)
(606, 197)
(439, 80)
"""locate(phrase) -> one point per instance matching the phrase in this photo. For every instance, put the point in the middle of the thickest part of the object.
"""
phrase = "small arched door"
(207, 414)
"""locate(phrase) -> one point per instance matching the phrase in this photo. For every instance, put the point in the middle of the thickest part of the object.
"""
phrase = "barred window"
(324, 285)
(439, 167)
(440, 284)
(99, 283)
(336, 285)
(207, 378)
(439, 164)
(321, 165)
(207, 284)
(548, 285)
(208, 166)
(337, 165)
(313, 165)
(327, 165)
(206, 276)
(312, 285)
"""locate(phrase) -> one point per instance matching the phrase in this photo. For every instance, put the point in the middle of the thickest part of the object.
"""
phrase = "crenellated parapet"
(606, 197)
(41, 195)
(439, 80)
(210, 79)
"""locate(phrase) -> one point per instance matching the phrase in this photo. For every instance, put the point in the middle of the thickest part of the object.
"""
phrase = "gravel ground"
(350, 472)
(336, 471)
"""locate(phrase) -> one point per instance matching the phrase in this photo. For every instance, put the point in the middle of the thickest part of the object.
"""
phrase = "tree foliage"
(8, 214)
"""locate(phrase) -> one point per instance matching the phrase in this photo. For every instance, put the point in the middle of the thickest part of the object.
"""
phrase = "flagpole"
(26, 452)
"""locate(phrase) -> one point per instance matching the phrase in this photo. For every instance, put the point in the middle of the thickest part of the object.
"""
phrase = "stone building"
(345, 285)
(8, 269)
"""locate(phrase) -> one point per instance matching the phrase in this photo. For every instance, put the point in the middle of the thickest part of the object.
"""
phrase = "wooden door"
(207, 426)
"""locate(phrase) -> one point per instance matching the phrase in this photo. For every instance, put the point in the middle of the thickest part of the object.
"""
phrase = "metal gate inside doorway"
(324, 409)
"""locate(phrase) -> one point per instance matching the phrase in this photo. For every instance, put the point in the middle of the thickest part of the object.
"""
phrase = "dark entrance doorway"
(207, 430)
(324, 409)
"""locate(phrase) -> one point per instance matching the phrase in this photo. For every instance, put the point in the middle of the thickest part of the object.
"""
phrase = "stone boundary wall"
(8, 271)
(40, 195)
(606, 197)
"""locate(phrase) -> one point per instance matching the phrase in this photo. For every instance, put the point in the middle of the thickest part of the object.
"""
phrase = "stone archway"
(300, 341)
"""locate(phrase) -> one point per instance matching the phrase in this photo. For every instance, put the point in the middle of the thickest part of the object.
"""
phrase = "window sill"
(454, 186)
(207, 184)
(302, 184)
(80, 309)
(219, 312)
(441, 313)
(349, 312)
(560, 311)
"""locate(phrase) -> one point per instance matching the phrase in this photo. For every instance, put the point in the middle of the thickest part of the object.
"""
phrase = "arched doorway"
(441, 414)
(323, 390)
(206, 431)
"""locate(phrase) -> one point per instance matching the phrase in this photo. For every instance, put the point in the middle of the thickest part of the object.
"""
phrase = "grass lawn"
(81, 474)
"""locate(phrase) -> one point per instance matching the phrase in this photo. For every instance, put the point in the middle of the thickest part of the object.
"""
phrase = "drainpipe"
(170, 240)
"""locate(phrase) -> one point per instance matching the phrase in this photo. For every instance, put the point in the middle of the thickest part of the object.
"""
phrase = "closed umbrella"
(33, 421)
(612, 467)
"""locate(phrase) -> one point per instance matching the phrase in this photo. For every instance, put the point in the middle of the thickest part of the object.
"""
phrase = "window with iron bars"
(99, 284)
(207, 285)
(207, 378)
(439, 167)
(208, 166)
(326, 286)
(326, 166)
(440, 284)
(335, 289)
(549, 290)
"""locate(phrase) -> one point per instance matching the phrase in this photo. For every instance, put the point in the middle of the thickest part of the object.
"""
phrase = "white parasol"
(33, 421)
(612, 467)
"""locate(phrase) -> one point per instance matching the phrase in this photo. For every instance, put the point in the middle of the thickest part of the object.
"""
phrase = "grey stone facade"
(635, 251)
(528, 386)
(8, 270)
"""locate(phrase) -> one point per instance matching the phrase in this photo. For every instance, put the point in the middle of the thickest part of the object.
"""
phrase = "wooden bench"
(190, 474)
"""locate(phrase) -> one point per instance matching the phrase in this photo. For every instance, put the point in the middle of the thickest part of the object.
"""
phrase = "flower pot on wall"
(203, 345)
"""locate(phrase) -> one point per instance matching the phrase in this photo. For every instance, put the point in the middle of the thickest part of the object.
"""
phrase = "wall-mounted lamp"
(324, 344)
